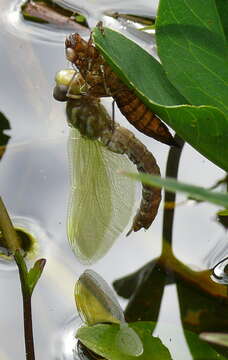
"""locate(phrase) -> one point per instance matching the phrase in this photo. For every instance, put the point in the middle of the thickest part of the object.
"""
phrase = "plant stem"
(171, 171)
(27, 307)
(12, 243)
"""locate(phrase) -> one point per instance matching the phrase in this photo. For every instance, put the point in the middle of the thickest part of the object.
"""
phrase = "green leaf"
(222, 7)
(191, 33)
(101, 339)
(173, 185)
(35, 273)
(216, 338)
(204, 127)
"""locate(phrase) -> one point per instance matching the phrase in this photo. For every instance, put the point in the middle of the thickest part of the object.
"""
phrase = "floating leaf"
(99, 338)
(49, 12)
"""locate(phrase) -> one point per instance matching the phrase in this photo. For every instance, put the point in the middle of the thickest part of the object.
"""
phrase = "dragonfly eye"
(60, 92)
(70, 54)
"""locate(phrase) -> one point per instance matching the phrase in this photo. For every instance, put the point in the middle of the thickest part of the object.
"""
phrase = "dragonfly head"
(76, 48)
(80, 52)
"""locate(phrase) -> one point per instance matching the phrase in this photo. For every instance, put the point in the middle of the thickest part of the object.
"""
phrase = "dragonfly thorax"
(88, 116)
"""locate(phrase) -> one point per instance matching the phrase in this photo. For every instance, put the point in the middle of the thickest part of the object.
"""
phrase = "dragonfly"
(96, 303)
(101, 201)
(102, 81)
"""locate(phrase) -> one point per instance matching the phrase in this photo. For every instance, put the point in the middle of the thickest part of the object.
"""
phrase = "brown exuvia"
(102, 81)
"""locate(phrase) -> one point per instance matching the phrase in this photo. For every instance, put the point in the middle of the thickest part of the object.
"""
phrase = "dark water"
(34, 184)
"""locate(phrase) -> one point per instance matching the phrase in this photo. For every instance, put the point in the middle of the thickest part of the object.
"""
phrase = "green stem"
(171, 171)
(27, 307)
(12, 243)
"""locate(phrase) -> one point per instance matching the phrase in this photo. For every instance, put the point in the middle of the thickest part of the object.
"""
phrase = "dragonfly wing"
(101, 200)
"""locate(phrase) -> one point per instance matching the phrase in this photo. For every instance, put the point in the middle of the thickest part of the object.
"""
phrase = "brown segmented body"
(119, 140)
(123, 141)
(103, 82)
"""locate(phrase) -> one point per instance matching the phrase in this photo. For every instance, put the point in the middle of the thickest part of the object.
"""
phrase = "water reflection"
(220, 272)
(64, 342)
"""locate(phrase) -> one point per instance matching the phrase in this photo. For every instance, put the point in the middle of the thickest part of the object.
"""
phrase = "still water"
(34, 183)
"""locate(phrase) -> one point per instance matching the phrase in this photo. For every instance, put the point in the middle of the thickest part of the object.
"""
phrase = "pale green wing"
(101, 200)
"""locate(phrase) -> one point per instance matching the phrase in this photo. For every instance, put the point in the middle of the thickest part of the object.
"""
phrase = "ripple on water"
(38, 237)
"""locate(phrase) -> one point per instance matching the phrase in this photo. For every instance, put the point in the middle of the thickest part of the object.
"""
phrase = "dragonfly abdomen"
(123, 141)
(141, 117)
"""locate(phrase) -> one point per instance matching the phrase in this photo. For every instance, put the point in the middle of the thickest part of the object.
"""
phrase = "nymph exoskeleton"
(95, 159)
(102, 81)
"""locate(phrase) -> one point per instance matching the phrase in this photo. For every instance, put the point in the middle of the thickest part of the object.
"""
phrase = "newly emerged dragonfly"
(102, 81)
(101, 200)
(96, 303)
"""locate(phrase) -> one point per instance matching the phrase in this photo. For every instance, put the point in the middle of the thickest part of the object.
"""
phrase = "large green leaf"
(193, 50)
(101, 339)
(204, 127)
(173, 185)
(222, 7)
